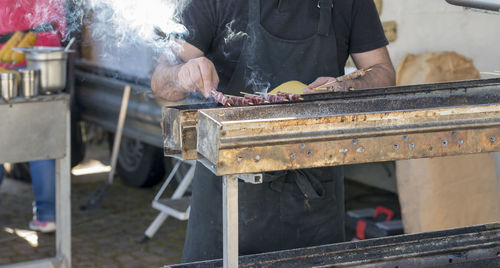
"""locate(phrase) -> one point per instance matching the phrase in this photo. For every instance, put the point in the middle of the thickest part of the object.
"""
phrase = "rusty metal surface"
(476, 246)
(179, 130)
(349, 131)
(335, 129)
(404, 90)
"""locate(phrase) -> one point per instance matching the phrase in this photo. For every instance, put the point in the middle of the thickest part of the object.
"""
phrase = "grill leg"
(230, 220)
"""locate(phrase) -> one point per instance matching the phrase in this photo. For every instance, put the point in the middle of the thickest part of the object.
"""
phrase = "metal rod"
(119, 131)
(230, 221)
(63, 202)
(167, 182)
(178, 193)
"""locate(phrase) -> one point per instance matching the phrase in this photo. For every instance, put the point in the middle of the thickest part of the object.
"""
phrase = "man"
(255, 45)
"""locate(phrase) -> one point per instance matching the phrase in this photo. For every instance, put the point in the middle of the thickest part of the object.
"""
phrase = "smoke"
(232, 37)
(125, 23)
(115, 23)
(258, 83)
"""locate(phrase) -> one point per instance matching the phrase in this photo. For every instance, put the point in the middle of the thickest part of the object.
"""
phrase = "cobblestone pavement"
(106, 236)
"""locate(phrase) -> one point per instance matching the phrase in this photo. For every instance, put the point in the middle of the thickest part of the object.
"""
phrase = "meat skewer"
(238, 101)
(272, 98)
(228, 100)
(254, 98)
(290, 96)
(220, 98)
(331, 86)
(250, 99)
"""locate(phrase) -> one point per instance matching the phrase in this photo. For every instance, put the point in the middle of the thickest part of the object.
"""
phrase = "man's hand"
(198, 74)
(173, 82)
(382, 73)
(330, 82)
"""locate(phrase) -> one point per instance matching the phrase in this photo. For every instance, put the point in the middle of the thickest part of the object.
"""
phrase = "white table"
(37, 129)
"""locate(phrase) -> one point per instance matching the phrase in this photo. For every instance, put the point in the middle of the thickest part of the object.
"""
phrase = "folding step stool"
(176, 206)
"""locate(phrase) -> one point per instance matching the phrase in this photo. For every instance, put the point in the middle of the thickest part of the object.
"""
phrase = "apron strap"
(254, 12)
(325, 16)
(310, 186)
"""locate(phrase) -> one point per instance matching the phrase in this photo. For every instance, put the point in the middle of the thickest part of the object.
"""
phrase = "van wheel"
(139, 164)
(18, 171)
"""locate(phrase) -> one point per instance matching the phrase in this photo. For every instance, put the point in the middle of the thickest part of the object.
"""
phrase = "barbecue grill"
(331, 129)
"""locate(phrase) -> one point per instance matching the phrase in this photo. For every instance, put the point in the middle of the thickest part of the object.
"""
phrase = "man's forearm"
(380, 75)
(164, 82)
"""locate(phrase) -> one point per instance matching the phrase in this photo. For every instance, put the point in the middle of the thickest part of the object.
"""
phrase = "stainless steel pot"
(52, 64)
(29, 82)
(8, 85)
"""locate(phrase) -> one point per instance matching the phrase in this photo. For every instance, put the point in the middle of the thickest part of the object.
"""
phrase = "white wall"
(434, 25)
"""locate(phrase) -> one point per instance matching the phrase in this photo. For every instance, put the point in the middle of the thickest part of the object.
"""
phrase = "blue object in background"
(43, 179)
(1, 174)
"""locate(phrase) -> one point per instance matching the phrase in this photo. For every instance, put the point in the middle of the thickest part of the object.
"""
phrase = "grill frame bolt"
(257, 158)
(492, 139)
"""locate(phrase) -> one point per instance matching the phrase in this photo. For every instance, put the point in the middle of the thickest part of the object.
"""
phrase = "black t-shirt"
(218, 27)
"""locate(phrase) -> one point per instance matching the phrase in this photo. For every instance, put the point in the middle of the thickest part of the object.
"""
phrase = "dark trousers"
(291, 209)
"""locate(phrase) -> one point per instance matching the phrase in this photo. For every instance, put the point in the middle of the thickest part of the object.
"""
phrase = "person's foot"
(43, 226)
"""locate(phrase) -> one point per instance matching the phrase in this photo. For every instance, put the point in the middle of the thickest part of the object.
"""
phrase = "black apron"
(291, 209)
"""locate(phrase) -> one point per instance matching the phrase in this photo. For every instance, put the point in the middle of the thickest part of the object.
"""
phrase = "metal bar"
(63, 202)
(324, 115)
(169, 178)
(404, 90)
(237, 141)
(119, 131)
(463, 247)
(178, 193)
(230, 221)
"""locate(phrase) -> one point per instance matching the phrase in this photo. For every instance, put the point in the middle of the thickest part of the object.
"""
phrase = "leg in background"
(1, 173)
(44, 189)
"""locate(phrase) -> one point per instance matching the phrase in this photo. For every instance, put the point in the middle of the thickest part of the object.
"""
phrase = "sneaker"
(43, 226)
